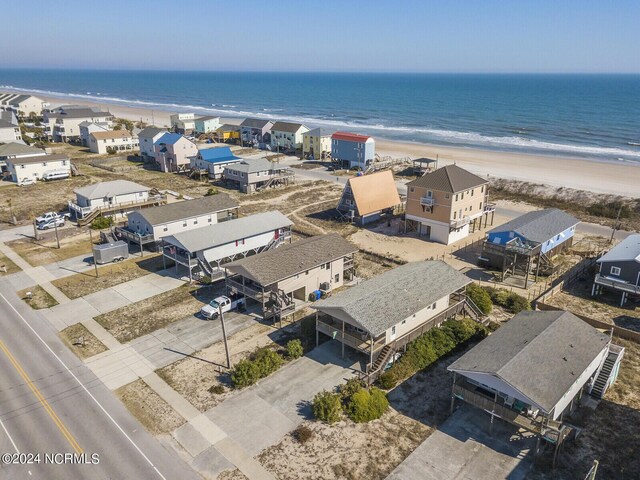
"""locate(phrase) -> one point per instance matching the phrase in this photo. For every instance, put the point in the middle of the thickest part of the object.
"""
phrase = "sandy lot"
(40, 298)
(91, 346)
(46, 251)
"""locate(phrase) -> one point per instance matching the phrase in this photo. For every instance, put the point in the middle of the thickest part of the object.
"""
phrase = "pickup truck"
(47, 217)
(212, 309)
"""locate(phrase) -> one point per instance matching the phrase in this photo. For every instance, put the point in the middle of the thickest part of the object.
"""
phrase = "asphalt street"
(50, 403)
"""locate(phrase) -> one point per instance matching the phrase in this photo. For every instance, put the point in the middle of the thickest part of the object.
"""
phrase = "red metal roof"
(350, 137)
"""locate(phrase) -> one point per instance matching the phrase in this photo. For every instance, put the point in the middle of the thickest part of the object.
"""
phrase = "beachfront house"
(378, 317)
(316, 143)
(38, 167)
(22, 105)
(534, 370)
(183, 123)
(619, 269)
(146, 138)
(287, 136)
(116, 196)
(214, 160)
(151, 225)
(283, 280)
(367, 198)
(256, 174)
(9, 128)
(447, 204)
(87, 128)
(204, 250)
(62, 124)
(173, 152)
(112, 141)
(351, 150)
(227, 133)
(256, 131)
(206, 124)
(527, 244)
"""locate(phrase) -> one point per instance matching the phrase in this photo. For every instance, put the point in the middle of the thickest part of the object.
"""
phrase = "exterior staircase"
(472, 310)
(87, 219)
(603, 380)
(204, 265)
(383, 358)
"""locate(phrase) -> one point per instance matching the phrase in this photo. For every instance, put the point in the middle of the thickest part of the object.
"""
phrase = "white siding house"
(34, 167)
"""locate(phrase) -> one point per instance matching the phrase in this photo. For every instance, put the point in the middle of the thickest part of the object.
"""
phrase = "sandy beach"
(599, 177)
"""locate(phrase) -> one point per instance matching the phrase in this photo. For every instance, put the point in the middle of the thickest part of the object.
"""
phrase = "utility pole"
(224, 336)
(13, 217)
(95, 265)
(55, 227)
(616, 225)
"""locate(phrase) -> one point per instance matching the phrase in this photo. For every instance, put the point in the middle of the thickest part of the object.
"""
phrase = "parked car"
(212, 309)
(26, 181)
(54, 222)
(45, 217)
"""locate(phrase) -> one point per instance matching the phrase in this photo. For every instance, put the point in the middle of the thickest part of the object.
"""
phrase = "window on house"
(615, 270)
(472, 193)
(434, 305)
(195, 222)
(480, 207)
(462, 196)
(456, 197)
(393, 330)
(403, 322)
(184, 224)
(412, 189)
(482, 189)
(446, 195)
(454, 215)
(165, 228)
(209, 220)
(307, 272)
(337, 277)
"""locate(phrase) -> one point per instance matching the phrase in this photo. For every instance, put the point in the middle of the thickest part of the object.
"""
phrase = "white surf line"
(85, 389)
(15, 447)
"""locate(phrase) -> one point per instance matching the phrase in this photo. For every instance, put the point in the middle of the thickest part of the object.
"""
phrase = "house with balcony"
(173, 152)
(378, 317)
(619, 269)
(256, 131)
(214, 161)
(87, 128)
(150, 225)
(147, 137)
(37, 166)
(281, 281)
(533, 371)
(316, 143)
(351, 150)
(227, 133)
(257, 174)
(16, 150)
(204, 250)
(22, 105)
(447, 204)
(183, 123)
(287, 136)
(9, 128)
(206, 124)
(526, 245)
(111, 198)
(368, 198)
(62, 124)
(112, 140)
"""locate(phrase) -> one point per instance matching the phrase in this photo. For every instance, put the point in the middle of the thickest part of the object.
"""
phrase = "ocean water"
(588, 116)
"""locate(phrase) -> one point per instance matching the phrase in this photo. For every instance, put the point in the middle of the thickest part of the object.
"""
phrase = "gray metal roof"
(384, 301)
(15, 148)
(288, 260)
(540, 354)
(256, 165)
(628, 250)
(319, 132)
(115, 187)
(187, 209)
(150, 132)
(82, 112)
(539, 225)
(286, 127)
(225, 232)
(255, 123)
(55, 157)
(450, 179)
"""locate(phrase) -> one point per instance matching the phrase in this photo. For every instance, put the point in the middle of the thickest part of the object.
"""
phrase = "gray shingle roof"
(256, 165)
(286, 127)
(255, 123)
(628, 250)
(115, 187)
(540, 354)
(450, 179)
(539, 225)
(319, 132)
(55, 157)
(225, 232)
(82, 112)
(377, 304)
(150, 132)
(291, 259)
(15, 148)
(188, 209)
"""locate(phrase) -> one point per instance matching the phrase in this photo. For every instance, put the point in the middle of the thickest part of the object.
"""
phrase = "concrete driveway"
(462, 449)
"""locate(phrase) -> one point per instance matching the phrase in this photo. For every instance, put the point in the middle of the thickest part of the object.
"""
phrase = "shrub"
(480, 297)
(267, 361)
(367, 405)
(294, 349)
(610, 209)
(211, 192)
(509, 300)
(260, 364)
(347, 390)
(302, 434)
(217, 389)
(388, 380)
(245, 373)
(327, 407)
(518, 303)
(101, 222)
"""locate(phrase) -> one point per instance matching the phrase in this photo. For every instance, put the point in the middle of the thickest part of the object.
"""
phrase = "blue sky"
(325, 35)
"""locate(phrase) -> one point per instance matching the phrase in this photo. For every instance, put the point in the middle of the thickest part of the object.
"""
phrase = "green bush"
(518, 303)
(211, 192)
(245, 373)
(509, 300)
(267, 361)
(480, 297)
(367, 405)
(610, 209)
(101, 222)
(388, 379)
(347, 390)
(260, 364)
(302, 434)
(327, 407)
(294, 349)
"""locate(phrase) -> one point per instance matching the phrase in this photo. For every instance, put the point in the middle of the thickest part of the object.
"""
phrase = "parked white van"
(57, 174)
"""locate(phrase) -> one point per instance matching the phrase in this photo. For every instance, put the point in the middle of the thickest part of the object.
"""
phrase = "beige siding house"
(114, 140)
(253, 175)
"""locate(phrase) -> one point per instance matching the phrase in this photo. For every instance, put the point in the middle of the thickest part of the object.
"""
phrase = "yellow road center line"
(72, 441)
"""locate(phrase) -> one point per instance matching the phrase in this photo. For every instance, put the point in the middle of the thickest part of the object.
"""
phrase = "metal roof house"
(352, 150)
(214, 160)
(366, 198)
(381, 315)
(256, 174)
(282, 280)
(204, 250)
(533, 370)
(152, 224)
(619, 269)
(527, 243)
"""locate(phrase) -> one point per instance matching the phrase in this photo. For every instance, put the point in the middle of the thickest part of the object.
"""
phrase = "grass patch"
(40, 298)
(146, 316)
(46, 251)
(82, 284)
(7, 267)
(81, 341)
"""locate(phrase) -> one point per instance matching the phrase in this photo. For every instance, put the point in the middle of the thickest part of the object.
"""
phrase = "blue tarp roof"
(169, 138)
(217, 155)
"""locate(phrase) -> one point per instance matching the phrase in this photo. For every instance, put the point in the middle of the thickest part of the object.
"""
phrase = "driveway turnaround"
(462, 449)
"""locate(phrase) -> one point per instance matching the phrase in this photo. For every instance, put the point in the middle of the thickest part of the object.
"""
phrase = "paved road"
(51, 403)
